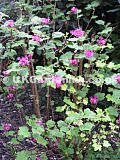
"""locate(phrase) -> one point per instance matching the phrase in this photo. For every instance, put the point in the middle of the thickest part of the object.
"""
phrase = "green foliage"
(23, 131)
(85, 130)
(25, 155)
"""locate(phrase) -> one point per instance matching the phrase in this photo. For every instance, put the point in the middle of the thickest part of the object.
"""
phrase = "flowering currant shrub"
(54, 49)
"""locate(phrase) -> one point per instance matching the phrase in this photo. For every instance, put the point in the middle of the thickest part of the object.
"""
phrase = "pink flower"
(118, 121)
(6, 126)
(45, 20)
(38, 158)
(6, 73)
(74, 10)
(117, 78)
(34, 140)
(29, 56)
(10, 96)
(73, 61)
(89, 53)
(23, 88)
(55, 49)
(23, 61)
(94, 99)
(41, 81)
(10, 23)
(36, 38)
(39, 122)
(57, 80)
(101, 41)
(12, 88)
(77, 33)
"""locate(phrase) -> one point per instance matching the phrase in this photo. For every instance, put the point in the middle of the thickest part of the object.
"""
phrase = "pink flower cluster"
(45, 20)
(55, 49)
(23, 88)
(10, 23)
(36, 38)
(74, 10)
(57, 80)
(24, 61)
(89, 53)
(94, 99)
(117, 78)
(77, 33)
(118, 121)
(29, 55)
(34, 140)
(38, 158)
(41, 81)
(10, 96)
(12, 88)
(39, 122)
(101, 41)
(6, 126)
(6, 73)
(74, 61)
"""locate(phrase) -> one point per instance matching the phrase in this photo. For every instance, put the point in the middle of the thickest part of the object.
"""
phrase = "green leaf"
(24, 35)
(14, 141)
(83, 92)
(97, 147)
(61, 73)
(73, 39)
(1, 46)
(110, 65)
(41, 140)
(9, 54)
(100, 22)
(112, 111)
(57, 34)
(64, 87)
(56, 133)
(72, 89)
(94, 17)
(93, 5)
(23, 131)
(10, 133)
(106, 30)
(71, 104)
(66, 56)
(89, 114)
(61, 123)
(58, 43)
(49, 83)
(101, 96)
(60, 108)
(23, 155)
(73, 117)
(18, 43)
(43, 156)
(100, 64)
(86, 126)
(64, 129)
(50, 124)
(106, 144)
(19, 105)
(109, 97)
(49, 54)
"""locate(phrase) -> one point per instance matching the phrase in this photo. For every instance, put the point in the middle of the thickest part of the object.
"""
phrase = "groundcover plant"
(60, 86)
